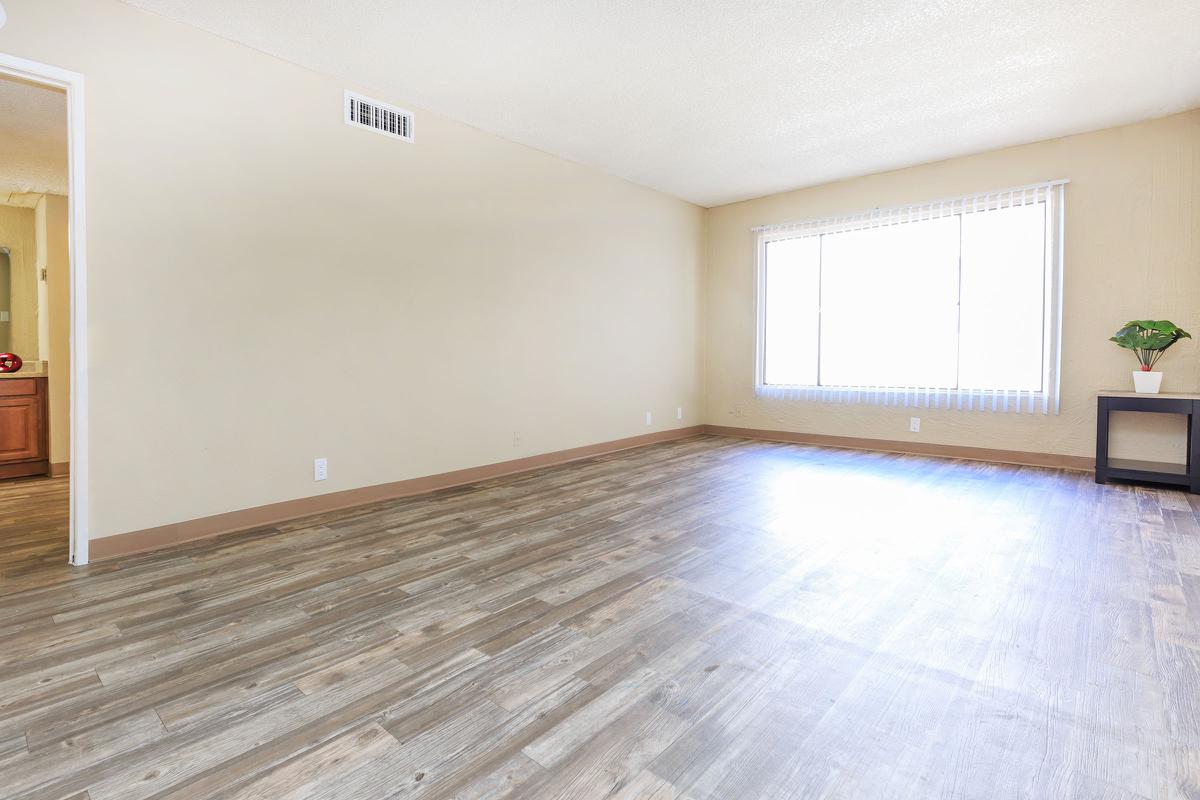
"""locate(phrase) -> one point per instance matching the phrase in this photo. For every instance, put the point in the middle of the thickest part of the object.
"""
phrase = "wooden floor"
(711, 618)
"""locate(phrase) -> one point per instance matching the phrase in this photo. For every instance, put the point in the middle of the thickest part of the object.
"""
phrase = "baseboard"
(1021, 457)
(61, 469)
(163, 536)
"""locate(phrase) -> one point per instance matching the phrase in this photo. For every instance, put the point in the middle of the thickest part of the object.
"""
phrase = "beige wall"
(41, 326)
(55, 329)
(488, 301)
(18, 233)
(41, 250)
(1132, 250)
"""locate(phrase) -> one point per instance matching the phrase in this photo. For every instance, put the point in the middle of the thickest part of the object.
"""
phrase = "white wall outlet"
(649, 418)
(679, 413)
(516, 439)
(320, 469)
(914, 424)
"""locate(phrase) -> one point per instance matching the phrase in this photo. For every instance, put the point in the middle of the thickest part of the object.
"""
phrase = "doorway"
(42, 198)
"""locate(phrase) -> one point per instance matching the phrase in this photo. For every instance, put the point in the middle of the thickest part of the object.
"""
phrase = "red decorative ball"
(10, 362)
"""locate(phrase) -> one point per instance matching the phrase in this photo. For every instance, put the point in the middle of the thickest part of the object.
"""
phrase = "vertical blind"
(940, 304)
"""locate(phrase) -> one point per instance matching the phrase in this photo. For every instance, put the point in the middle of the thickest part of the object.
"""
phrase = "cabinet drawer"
(17, 387)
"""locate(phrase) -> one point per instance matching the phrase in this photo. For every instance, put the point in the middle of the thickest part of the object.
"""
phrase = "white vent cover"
(363, 112)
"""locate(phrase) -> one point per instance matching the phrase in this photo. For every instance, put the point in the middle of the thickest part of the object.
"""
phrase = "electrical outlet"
(649, 418)
(516, 439)
(914, 424)
(320, 469)
(679, 413)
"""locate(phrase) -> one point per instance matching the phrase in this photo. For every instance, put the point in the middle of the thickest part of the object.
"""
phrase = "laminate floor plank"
(707, 619)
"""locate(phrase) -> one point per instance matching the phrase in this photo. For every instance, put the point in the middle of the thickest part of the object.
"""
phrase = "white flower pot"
(1147, 382)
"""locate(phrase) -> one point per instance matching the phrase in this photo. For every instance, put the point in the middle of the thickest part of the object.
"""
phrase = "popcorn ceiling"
(720, 101)
(33, 138)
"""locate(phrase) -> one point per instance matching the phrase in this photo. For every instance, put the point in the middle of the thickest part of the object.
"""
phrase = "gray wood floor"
(711, 618)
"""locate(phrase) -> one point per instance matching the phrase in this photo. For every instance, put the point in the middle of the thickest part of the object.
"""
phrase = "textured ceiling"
(33, 138)
(718, 101)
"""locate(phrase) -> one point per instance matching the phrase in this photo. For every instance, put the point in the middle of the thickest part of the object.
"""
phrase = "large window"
(954, 299)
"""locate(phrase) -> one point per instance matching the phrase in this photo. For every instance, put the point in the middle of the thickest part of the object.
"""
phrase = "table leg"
(1193, 457)
(1102, 440)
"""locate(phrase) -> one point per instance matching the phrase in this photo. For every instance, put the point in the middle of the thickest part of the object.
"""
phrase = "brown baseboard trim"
(60, 469)
(1054, 460)
(143, 541)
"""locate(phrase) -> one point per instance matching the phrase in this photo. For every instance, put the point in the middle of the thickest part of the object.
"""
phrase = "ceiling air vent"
(363, 112)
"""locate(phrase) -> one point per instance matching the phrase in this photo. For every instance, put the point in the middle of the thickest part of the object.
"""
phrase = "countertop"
(31, 369)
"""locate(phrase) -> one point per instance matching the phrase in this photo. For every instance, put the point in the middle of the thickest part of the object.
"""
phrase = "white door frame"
(72, 83)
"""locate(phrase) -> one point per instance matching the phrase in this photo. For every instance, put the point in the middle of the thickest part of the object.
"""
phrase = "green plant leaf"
(1131, 328)
(1157, 341)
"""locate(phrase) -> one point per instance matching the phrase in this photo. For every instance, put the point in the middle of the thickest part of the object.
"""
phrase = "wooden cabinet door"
(21, 429)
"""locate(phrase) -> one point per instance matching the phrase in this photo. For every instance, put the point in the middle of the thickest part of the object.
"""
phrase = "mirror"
(19, 290)
(5, 302)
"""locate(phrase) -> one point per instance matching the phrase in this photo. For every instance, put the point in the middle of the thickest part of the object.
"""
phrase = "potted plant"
(1148, 339)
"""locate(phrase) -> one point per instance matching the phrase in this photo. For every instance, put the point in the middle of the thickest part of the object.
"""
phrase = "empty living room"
(724, 400)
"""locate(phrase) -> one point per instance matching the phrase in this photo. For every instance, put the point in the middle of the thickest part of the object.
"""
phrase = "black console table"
(1187, 475)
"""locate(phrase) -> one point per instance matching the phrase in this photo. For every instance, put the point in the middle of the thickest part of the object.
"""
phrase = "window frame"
(1047, 399)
